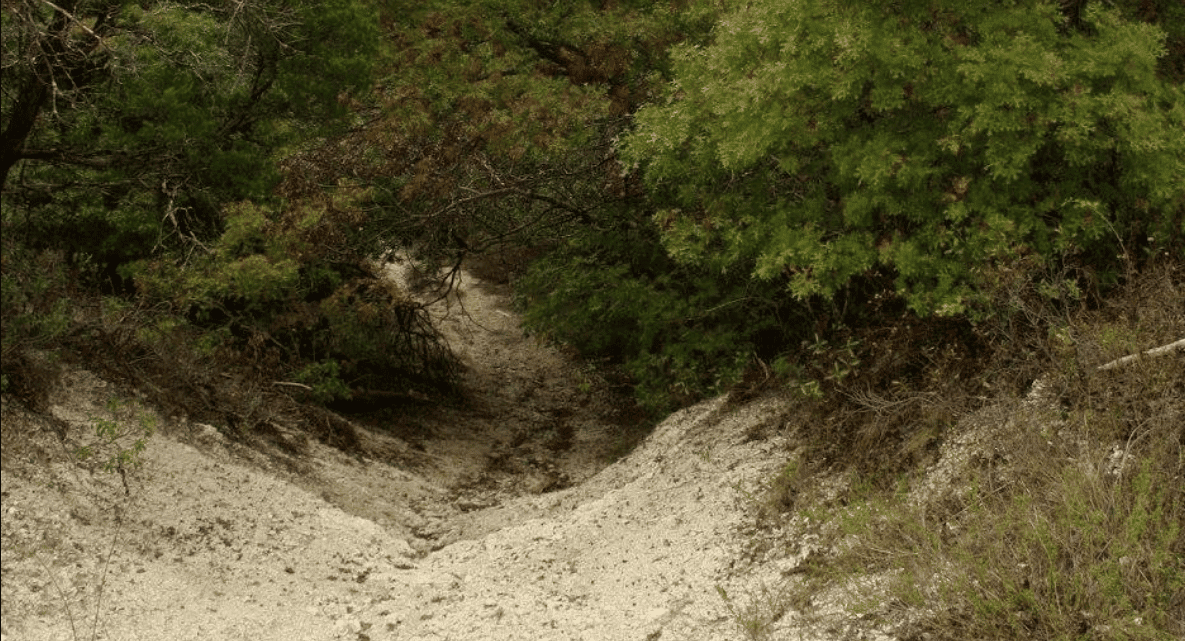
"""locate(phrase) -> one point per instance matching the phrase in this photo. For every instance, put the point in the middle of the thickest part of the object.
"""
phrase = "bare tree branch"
(1176, 346)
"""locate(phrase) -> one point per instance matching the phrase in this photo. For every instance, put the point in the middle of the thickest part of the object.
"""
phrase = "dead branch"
(1175, 346)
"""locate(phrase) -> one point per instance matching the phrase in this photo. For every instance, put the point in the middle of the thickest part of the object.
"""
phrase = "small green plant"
(810, 390)
(324, 379)
(119, 442)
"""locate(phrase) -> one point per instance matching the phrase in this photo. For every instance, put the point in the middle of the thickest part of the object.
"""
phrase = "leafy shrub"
(282, 290)
(324, 379)
(119, 441)
(679, 333)
(162, 112)
(37, 306)
(814, 143)
(34, 297)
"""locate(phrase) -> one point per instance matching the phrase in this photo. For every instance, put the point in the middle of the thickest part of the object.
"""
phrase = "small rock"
(654, 614)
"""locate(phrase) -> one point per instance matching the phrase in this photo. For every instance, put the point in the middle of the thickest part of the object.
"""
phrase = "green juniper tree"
(818, 142)
(117, 115)
(817, 165)
(142, 142)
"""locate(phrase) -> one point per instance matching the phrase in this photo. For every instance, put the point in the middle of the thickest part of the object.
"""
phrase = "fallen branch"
(291, 384)
(1156, 351)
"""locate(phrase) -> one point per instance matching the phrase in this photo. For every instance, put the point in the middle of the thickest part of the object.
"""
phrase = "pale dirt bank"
(213, 547)
(504, 521)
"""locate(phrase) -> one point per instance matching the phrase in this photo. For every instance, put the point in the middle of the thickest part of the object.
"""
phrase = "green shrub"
(814, 143)
(282, 290)
(324, 378)
(34, 297)
(681, 334)
(119, 441)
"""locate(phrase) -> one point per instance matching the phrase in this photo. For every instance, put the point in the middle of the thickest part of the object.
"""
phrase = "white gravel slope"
(641, 560)
(212, 540)
(214, 546)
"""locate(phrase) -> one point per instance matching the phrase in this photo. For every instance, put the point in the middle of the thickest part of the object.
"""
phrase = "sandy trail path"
(499, 520)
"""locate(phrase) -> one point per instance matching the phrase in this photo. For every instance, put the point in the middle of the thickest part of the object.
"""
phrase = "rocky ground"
(522, 514)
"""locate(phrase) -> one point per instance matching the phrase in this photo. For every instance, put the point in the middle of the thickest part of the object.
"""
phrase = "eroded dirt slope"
(497, 519)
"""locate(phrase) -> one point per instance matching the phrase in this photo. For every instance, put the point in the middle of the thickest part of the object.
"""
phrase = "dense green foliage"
(273, 291)
(117, 115)
(679, 332)
(709, 190)
(142, 149)
(818, 142)
(493, 120)
(816, 166)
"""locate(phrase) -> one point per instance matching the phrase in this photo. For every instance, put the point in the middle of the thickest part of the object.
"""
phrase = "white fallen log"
(1178, 345)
